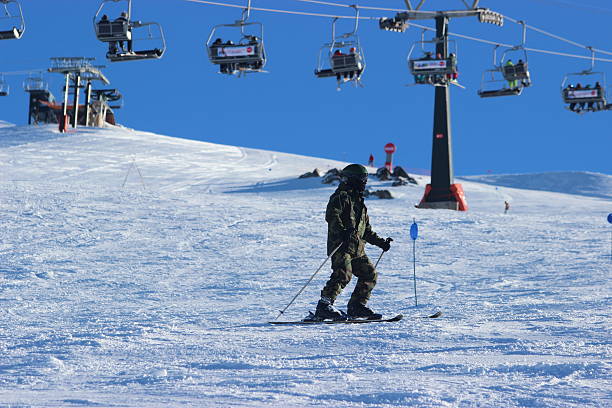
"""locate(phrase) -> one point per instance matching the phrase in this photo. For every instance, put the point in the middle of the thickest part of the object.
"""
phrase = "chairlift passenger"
(512, 84)
(121, 44)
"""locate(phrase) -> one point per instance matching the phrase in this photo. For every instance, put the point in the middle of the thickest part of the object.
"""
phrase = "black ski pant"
(343, 268)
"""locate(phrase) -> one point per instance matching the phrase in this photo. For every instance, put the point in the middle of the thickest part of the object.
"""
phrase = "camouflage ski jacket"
(346, 210)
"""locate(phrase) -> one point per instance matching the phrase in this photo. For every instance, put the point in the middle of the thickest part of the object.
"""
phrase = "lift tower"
(76, 69)
(442, 192)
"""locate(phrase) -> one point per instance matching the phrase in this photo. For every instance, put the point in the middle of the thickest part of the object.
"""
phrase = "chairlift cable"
(506, 17)
(542, 51)
(26, 72)
(557, 37)
(327, 3)
(586, 7)
(301, 13)
(537, 50)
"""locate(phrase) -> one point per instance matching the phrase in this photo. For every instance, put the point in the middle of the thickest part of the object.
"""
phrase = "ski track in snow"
(157, 294)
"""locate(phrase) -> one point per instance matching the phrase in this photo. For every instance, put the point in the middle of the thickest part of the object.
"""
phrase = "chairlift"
(431, 68)
(514, 74)
(121, 33)
(585, 91)
(35, 82)
(108, 96)
(505, 78)
(344, 56)
(245, 55)
(13, 15)
(517, 70)
(4, 87)
(494, 84)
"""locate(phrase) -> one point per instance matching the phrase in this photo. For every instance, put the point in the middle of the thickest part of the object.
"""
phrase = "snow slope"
(585, 183)
(139, 270)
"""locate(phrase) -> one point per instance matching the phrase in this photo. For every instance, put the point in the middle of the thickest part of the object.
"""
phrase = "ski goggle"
(363, 177)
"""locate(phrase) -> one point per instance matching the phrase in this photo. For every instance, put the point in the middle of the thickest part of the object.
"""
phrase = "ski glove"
(386, 244)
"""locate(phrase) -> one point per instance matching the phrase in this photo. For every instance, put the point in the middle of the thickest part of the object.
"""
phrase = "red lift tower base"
(456, 199)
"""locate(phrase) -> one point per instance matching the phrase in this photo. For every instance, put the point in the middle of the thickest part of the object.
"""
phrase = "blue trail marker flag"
(610, 218)
(414, 230)
(414, 233)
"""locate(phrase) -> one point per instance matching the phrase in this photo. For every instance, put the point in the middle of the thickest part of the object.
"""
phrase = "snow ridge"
(567, 182)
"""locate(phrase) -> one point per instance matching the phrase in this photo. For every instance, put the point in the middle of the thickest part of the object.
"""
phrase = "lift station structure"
(76, 69)
(442, 192)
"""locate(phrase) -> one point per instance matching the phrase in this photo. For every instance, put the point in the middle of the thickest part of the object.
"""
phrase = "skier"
(506, 207)
(349, 226)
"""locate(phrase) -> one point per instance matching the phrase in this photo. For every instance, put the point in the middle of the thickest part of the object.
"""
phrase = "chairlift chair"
(344, 54)
(15, 18)
(35, 82)
(246, 55)
(108, 95)
(429, 69)
(494, 84)
(506, 78)
(518, 70)
(121, 31)
(4, 87)
(585, 91)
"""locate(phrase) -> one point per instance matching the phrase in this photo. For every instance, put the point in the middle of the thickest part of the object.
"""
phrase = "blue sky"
(290, 110)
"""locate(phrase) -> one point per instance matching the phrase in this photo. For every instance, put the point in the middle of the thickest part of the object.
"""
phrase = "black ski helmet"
(356, 176)
(354, 170)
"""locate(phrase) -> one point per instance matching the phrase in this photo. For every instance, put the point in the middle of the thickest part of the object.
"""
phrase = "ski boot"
(327, 311)
(356, 310)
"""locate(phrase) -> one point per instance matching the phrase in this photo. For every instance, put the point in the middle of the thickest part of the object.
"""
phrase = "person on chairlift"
(580, 105)
(599, 95)
(123, 19)
(590, 105)
(572, 106)
(353, 51)
(521, 69)
(513, 84)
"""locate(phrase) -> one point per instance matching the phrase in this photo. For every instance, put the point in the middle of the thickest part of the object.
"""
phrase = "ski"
(310, 320)
(348, 321)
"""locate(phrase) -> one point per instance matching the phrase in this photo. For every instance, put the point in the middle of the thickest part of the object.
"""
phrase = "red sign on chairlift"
(389, 148)
(440, 136)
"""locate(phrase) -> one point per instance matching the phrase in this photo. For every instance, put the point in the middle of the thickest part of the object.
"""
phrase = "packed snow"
(139, 270)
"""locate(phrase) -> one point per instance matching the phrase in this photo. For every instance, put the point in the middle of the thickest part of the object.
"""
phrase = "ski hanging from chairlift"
(12, 23)
(585, 91)
(246, 55)
(344, 56)
(121, 33)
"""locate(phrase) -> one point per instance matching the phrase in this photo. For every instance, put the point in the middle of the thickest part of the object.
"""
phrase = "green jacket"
(346, 210)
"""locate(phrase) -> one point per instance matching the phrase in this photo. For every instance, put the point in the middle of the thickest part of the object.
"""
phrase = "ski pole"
(381, 255)
(414, 233)
(376, 264)
(309, 280)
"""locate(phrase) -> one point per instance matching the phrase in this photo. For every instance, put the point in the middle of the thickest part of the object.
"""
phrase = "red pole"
(389, 149)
